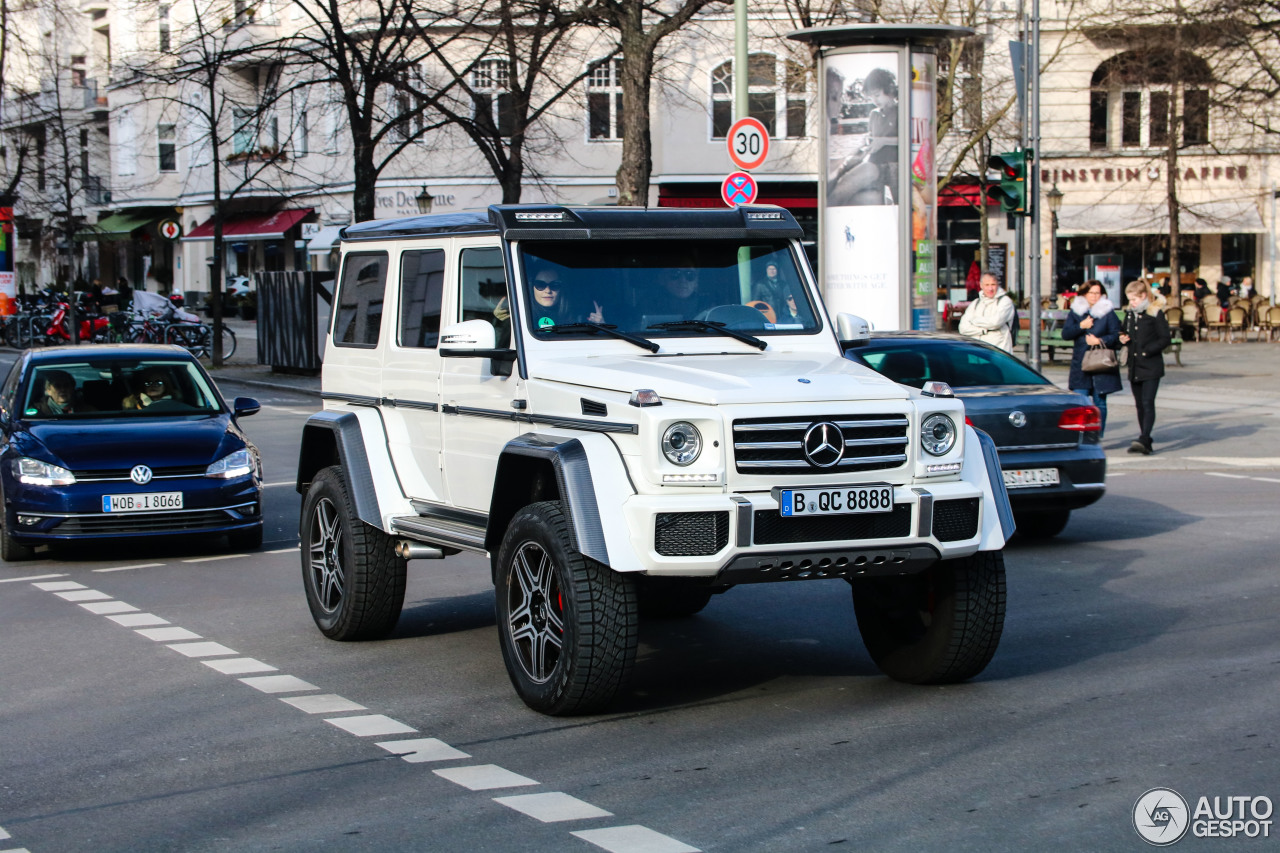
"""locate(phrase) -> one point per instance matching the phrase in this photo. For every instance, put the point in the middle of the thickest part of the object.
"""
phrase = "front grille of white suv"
(778, 445)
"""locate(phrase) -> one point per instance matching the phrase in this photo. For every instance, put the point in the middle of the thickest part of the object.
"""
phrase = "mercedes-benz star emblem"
(824, 444)
(1018, 419)
(140, 474)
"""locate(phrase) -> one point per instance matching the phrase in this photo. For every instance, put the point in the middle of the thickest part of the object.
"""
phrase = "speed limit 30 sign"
(748, 143)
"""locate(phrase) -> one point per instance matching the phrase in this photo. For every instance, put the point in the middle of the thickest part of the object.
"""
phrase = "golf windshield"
(118, 388)
(655, 289)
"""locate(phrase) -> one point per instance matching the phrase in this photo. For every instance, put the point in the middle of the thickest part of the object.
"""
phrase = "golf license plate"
(1026, 478)
(142, 503)
(844, 500)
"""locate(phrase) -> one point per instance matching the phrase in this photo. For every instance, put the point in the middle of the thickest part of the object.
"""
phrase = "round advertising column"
(878, 180)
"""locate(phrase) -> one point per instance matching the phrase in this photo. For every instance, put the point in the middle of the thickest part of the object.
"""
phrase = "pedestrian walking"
(1092, 322)
(1146, 332)
(991, 316)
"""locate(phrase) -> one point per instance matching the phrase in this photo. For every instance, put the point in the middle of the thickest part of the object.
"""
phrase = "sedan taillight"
(1081, 419)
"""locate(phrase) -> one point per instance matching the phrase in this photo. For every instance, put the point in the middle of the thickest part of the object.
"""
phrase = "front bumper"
(737, 538)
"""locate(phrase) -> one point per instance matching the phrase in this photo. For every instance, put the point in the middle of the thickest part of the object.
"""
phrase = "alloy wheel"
(536, 606)
(328, 575)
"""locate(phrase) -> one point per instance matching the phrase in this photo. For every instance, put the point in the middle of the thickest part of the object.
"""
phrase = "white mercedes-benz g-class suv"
(628, 411)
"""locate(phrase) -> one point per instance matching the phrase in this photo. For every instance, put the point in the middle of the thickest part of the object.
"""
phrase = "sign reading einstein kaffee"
(1147, 174)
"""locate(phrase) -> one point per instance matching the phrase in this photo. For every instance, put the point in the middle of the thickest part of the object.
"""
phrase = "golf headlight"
(682, 443)
(937, 435)
(238, 464)
(33, 472)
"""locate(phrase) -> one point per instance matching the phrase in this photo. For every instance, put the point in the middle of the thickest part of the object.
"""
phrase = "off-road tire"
(245, 540)
(937, 627)
(11, 550)
(567, 624)
(354, 581)
(1042, 525)
(671, 598)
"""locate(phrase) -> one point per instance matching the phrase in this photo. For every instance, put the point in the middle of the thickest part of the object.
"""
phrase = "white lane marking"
(202, 650)
(16, 850)
(1265, 479)
(281, 483)
(371, 724)
(130, 568)
(1229, 476)
(3, 834)
(278, 683)
(421, 750)
(168, 635)
(83, 595)
(484, 777)
(633, 839)
(31, 578)
(1111, 474)
(102, 608)
(323, 703)
(135, 620)
(57, 586)
(218, 557)
(282, 551)
(552, 807)
(238, 666)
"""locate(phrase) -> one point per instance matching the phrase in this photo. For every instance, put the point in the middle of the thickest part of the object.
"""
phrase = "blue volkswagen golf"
(112, 442)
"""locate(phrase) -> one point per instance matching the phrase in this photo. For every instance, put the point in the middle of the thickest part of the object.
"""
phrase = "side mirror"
(852, 330)
(245, 406)
(476, 339)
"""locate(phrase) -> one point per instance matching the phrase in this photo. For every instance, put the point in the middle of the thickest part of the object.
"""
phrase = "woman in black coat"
(1146, 332)
(1092, 322)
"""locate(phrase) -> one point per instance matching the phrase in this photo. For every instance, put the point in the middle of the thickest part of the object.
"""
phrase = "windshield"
(124, 388)
(652, 289)
(958, 363)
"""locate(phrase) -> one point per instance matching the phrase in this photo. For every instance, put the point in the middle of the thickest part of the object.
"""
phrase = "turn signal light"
(1081, 419)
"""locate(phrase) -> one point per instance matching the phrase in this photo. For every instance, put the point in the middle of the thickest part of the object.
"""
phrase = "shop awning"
(322, 241)
(117, 226)
(252, 226)
(1215, 217)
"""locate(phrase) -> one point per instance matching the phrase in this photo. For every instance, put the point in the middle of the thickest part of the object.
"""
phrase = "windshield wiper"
(710, 326)
(607, 328)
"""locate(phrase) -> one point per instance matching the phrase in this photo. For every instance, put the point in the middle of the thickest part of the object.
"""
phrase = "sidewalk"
(1220, 410)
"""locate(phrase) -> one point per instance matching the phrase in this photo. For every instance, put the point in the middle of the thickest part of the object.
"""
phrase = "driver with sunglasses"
(548, 303)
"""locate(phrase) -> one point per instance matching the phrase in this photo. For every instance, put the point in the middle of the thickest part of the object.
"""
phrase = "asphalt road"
(1140, 651)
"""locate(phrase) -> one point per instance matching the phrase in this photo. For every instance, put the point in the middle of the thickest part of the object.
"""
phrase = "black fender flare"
(330, 438)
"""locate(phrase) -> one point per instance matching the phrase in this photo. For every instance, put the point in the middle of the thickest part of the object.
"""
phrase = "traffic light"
(1012, 191)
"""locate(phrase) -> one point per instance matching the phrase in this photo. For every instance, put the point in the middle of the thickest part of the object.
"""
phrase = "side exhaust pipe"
(407, 549)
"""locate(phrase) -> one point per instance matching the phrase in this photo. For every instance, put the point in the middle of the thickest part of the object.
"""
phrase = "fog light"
(29, 520)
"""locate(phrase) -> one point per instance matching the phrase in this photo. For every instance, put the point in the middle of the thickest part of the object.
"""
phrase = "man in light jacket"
(989, 317)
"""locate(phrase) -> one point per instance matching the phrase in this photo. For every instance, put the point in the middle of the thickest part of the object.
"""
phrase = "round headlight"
(681, 443)
(937, 435)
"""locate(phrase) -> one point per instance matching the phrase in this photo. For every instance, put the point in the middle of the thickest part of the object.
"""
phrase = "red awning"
(253, 226)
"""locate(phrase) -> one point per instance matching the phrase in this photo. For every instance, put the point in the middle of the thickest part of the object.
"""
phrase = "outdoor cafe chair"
(1237, 319)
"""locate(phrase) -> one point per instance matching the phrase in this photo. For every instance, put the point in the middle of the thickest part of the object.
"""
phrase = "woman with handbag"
(1146, 332)
(1093, 325)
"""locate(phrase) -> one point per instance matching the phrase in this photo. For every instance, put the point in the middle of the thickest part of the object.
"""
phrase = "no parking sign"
(739, 188)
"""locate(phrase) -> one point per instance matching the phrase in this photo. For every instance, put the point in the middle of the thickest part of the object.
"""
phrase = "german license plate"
(142, 503)
(1025, 478)
(842, 501)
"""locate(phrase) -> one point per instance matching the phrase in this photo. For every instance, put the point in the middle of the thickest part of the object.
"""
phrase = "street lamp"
(424, 200)
(1054, 197)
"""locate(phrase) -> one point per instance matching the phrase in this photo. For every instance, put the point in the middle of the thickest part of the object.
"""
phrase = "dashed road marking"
(137, 620)
(1265, 479)
(102, 608)
(484, 777)
(83, 595)
(370, 725)
(281, 483)
(168, 635)
(31, 578)
(3, 834)
(202, 650)
(238, 666)
(59, 586)
(293, 550)
(633, 839)
(552, 807)
(131, 568)
(216, 557)
(422, 750)
(1224, 474)
(323, 703)
(278, 683)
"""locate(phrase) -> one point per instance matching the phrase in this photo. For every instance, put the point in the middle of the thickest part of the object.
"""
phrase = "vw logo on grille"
(1018, 419)
(140, 474)
(824, 444)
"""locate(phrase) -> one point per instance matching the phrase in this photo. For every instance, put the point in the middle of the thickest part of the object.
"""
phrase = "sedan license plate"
(841, 501)
(142, 503)
(1026, 478)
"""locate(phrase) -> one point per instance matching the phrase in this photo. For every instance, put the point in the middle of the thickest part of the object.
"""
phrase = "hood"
(1101, 308)
(719, 379)
(158, 442)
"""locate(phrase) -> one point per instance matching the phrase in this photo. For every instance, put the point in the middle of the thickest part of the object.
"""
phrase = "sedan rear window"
(960, 364)
(118, 388)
